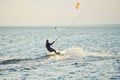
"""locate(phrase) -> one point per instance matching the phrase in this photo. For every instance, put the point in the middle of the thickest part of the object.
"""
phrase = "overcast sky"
(58, 12)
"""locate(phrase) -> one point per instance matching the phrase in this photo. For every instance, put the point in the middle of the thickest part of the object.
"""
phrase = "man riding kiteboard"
(48, 46)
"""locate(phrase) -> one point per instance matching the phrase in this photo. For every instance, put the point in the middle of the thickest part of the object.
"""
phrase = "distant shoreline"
(99, 25)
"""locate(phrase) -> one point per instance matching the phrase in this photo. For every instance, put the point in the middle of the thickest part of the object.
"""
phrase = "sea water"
(88, 53)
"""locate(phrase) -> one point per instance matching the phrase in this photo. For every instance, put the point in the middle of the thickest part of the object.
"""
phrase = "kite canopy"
(77, 5)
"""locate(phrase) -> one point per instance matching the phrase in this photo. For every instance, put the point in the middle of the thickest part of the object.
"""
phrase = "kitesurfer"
(48, 46)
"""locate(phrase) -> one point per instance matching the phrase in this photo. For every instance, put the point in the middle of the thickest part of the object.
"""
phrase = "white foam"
(74, 53)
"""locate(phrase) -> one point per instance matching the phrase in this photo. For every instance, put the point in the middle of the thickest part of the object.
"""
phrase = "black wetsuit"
(49, 48)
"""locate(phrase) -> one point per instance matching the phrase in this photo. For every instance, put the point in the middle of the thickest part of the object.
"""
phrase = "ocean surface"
(87, 53)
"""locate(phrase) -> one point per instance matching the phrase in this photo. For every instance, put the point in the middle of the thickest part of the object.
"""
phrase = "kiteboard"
(54, 54)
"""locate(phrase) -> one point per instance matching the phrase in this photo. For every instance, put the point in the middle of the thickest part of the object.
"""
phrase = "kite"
(77, 5)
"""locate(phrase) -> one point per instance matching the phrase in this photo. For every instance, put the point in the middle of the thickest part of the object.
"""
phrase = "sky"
(58, 12)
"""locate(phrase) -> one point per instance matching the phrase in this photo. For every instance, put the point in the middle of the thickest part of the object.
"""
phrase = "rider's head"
(47, 40)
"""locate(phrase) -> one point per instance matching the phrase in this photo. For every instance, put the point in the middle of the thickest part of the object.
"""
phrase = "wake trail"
(70, 53)
(74, 54)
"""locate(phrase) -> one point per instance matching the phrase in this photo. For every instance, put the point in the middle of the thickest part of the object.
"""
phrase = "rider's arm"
(53, 42)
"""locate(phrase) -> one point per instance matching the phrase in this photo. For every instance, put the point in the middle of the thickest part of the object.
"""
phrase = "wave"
(12, 61)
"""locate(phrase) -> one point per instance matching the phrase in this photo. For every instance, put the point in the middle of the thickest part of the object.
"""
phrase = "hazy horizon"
(60, 26)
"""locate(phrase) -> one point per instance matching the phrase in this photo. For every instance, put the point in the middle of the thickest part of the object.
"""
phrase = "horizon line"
(89, 25)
